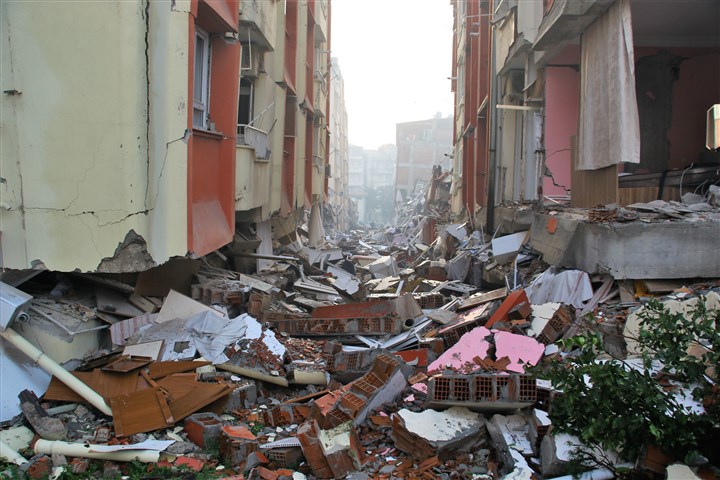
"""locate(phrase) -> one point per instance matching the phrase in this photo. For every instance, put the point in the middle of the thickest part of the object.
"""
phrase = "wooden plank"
(202, 394)
(591, 188)
(110, 384)
(163, 369)
(127, 363)
(140, 412)
(178, 385)
(58, 391)
(106, 384)
(480, 298)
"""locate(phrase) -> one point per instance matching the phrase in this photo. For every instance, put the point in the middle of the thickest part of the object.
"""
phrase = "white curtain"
(609, 126)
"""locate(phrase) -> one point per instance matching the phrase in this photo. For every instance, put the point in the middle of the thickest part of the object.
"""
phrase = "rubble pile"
(369, 356)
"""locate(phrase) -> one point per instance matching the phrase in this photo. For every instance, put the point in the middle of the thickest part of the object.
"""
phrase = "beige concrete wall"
(77, 169)
(167, 199)
(274, 62)
(264, 14)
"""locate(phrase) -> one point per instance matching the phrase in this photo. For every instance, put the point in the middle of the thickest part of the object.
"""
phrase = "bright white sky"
(395, 57)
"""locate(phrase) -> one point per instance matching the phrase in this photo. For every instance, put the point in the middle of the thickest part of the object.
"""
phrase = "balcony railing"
(255, 138)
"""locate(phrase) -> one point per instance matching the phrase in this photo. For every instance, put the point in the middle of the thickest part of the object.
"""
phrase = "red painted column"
(211, 150)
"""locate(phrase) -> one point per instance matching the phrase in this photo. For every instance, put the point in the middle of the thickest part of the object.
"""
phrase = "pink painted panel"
(562, 106)
(460, 356)
(519, 349)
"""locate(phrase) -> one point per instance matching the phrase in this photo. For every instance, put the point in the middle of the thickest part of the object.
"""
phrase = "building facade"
(163, 128)
(338, 193)
(420, 146)
(575, 100)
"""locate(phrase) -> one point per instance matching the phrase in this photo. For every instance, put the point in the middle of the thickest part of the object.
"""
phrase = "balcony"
(256, 139)
(258, 23)
(565, 20)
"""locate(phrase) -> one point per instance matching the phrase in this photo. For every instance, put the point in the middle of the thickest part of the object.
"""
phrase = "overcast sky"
(395, 57)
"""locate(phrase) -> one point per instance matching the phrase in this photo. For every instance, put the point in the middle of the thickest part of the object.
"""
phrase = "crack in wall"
(90, 236)
(95, 214)
(147, 100)
(7, 29)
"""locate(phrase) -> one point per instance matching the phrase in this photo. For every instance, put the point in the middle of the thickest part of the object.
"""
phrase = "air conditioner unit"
(712, 138)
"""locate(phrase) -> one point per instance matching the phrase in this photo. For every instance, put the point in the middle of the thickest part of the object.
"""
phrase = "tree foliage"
(622, 406)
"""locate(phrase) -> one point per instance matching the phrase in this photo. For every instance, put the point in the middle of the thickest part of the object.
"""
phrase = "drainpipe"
(10, 455)
(53, 368)
(492, 105)
(51, 447)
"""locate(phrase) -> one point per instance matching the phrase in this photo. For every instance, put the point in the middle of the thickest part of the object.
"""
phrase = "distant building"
(420, 145)
(338, 195)
(368, 170)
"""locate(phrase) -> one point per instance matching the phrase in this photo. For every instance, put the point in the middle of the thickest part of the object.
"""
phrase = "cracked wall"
(83, 163)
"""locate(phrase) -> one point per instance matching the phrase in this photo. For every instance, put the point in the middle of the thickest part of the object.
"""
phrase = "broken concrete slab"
(505, 248)
(680, 471)
(47, 427)
(429, 433)
(384, 267)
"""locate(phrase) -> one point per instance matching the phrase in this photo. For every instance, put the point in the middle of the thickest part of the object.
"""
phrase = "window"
(245, 104)
(201, 79)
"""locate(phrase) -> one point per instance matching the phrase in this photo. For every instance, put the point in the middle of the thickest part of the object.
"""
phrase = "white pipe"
(599, 474)
(51, 447)
(68, 407)
(7, 453)
(50, 366)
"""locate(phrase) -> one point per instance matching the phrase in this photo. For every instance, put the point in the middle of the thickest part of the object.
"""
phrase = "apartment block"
(163, 129)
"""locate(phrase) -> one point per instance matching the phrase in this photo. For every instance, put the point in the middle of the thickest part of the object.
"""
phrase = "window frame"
(202, 104)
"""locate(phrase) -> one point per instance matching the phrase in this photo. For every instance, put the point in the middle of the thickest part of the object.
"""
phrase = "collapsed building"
(368, 355)
(277, 350)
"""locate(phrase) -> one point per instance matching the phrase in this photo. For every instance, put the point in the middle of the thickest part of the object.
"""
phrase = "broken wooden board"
(178, 385)
(106, 384)
(140, 412)
(163, 369)
(481, 298)
(127, 363)
(199, 396)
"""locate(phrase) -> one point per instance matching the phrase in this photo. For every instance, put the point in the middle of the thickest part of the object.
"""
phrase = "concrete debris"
(679, 471)
(404, 353)
(432, 433)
